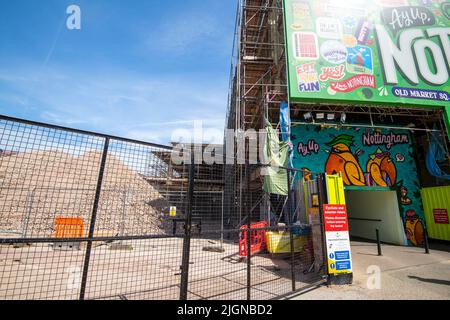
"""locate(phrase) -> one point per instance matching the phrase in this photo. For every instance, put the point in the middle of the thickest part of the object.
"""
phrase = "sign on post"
(173, 211)
(440, 216)
(337, 238)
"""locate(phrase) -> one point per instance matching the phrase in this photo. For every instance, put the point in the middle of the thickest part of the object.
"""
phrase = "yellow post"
(335, 186)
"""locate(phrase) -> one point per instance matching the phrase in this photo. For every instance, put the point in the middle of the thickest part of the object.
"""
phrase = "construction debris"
(39, 186)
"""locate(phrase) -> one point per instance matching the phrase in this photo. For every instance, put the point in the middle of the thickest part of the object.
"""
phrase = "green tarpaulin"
(276, 153)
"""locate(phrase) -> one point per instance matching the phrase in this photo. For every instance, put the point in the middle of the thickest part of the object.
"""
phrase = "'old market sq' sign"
(380, 51)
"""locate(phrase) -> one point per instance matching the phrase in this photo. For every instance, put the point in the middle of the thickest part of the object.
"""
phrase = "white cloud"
(13, 98)
(61, 118)
(198, 130)
(141, 107)
(156, 136)
(186, 32)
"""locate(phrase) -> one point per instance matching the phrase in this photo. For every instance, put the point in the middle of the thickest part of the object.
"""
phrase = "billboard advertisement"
(371, 51)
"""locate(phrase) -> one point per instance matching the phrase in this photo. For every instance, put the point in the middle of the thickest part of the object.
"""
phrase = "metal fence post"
(323, 199)
(249, 234)
(26, 219)
(249, 253)
(291, 230)
(378, 242)
(93, 219)
(221, 222)
(427, 246)
(122, 215)
(187, 232)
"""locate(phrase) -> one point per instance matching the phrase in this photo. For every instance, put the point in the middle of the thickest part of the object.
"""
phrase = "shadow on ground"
(435, 281)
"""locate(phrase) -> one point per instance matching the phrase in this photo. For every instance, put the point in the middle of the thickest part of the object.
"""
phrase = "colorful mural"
(341, 159)
(366, 158)
(414, 228)
(379, 51)
(381, 169)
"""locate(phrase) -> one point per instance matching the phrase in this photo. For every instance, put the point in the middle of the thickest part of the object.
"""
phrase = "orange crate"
(68, 227)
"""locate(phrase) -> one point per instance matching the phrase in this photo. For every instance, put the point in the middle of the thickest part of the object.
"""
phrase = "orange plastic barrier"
(257, 238)
(68, 227)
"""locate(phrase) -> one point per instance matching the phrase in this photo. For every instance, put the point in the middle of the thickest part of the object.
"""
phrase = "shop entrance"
(369, 210)
(386, 156)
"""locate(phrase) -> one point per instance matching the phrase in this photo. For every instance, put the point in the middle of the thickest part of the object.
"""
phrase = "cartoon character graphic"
(341, 159)
(404, 196)
(399, 157)
(382, 169)
(414, 228)
(359, 60)
(307, 174)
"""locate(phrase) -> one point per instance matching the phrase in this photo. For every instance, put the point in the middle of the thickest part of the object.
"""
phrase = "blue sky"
(139, 68)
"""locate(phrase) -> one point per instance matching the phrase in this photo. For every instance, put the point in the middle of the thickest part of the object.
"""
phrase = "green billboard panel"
(368, 51)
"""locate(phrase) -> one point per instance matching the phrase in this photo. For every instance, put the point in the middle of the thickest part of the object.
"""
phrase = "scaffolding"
(258, 84)
(258, 69)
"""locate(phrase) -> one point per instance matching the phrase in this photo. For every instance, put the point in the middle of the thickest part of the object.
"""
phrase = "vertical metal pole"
(323, 199)
(266, 207)
(240, 191)
(187, 233)
(427, 246)
(221, 226)
(26, 220)
(378, 242)
(124, 208)
(248, 244)
(291, 230)
(239, 44)
(93, 219)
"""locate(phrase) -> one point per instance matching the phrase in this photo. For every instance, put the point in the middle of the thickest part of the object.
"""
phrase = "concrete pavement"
(405, 273)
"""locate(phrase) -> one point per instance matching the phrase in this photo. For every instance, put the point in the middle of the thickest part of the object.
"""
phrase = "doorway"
(369, 210)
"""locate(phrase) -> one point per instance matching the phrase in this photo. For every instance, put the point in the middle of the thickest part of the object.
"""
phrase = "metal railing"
(119, 192)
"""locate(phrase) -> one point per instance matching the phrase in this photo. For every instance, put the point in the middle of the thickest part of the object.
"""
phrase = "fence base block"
(19, 245)
(66, 246)
(120, 246)
(340, 279)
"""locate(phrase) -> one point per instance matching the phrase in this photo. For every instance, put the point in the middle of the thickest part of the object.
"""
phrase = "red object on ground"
(257, 238)
(67, 227)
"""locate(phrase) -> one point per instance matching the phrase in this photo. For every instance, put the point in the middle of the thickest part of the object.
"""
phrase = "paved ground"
(150, 270)
(406, 273)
